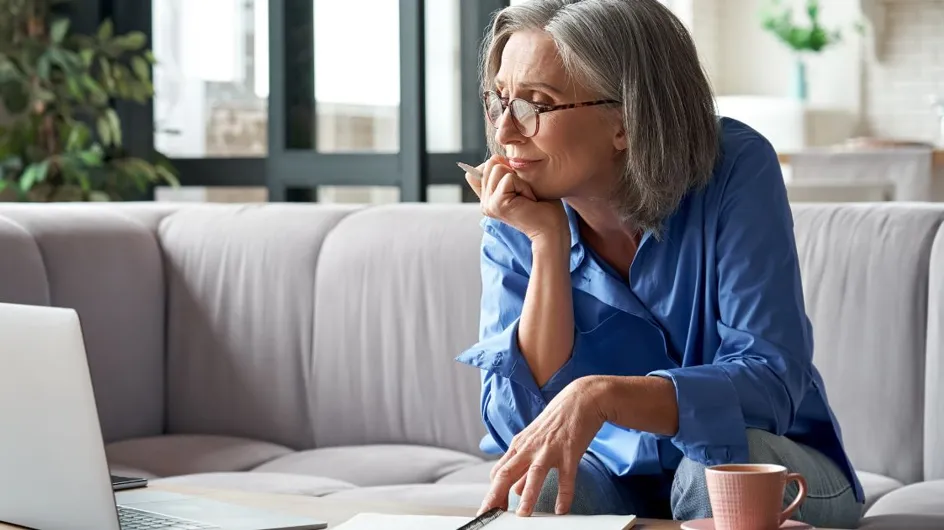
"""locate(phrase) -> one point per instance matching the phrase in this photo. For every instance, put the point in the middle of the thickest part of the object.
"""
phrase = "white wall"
(752, 61)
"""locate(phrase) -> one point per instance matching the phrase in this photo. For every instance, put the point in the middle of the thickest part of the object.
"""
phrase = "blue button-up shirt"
(715, 305)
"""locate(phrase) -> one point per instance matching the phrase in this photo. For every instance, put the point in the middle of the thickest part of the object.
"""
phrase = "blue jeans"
(830, 501)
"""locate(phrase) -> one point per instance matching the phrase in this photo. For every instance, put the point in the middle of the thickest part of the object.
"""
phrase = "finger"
(505, 190)
(501, 485)
(566, 478)
(522, 188)
(486, 169)
(512, 451)
(519, 486)
(475, 183)
(537, 473)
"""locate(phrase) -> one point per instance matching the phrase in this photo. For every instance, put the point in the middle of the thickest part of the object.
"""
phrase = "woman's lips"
(521, 163)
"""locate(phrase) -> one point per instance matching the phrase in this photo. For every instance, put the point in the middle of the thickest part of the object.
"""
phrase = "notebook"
(507, 521)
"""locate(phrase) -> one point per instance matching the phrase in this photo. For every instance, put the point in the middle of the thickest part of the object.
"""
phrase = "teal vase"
(799, 80)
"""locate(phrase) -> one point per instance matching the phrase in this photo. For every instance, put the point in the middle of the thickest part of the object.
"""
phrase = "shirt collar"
(574, 225)
(573, 221)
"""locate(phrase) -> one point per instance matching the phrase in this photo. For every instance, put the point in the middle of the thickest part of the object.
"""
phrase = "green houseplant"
(812, 37)
(60, 137)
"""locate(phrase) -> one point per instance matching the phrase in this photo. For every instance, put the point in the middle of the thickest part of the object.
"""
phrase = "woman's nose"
(506, 131)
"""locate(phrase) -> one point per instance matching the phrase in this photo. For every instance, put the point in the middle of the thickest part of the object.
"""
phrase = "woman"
(642, 313)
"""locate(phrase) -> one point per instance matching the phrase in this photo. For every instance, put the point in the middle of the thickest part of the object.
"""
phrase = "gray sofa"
(310, 348)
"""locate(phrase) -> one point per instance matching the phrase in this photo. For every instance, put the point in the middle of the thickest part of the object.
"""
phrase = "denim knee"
(689, 498)
(690, 488)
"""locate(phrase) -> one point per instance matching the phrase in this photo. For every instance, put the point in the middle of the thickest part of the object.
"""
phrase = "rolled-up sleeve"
(510, 398)
(762, 368)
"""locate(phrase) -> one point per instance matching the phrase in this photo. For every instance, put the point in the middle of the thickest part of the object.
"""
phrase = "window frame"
(293, 169)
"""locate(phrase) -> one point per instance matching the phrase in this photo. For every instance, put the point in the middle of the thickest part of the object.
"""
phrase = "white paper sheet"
(508, 521)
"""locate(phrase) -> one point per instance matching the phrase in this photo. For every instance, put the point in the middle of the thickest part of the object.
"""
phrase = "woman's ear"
(620, 140)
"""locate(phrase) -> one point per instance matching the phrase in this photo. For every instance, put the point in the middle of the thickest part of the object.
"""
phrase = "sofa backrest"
(865, 274)
(327, 325)
(105, 262)
(398, 291)
(241, 305)
(934, 382)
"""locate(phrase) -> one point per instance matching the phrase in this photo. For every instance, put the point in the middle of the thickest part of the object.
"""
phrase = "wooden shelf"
(937, 154)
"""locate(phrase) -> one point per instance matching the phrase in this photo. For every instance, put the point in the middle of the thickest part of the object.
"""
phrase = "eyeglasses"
(524, 114)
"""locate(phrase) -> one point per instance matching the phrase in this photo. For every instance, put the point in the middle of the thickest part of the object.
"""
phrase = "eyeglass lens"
(522, 114)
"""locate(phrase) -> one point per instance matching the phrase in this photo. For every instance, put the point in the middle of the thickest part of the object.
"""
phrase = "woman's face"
(576, 152)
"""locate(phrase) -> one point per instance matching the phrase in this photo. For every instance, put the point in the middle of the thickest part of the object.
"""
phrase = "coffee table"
(336, 512)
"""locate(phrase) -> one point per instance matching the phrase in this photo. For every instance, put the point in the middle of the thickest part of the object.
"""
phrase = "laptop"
(53, 470)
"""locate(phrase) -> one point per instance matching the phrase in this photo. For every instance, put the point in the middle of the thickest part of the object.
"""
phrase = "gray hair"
(639, 53)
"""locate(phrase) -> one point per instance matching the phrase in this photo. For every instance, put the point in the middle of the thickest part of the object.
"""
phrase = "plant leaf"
(132, 41)
(87, 55)
(44, 67)
(142, 68)
(99, 196)
(167, 175)
(106, 30)
(75, 89)
(104, 130)
(79, 135)
(115, 123)
(99, 97)
(58, 30)
(32, 174)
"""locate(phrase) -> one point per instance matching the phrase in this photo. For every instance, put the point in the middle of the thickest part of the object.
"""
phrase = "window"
(210, 99)
(306, 95)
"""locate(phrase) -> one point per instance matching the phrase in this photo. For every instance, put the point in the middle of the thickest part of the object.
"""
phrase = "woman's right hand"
(506, 197)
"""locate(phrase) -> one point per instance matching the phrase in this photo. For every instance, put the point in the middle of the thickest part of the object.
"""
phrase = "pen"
(470, 170)
(482, 520)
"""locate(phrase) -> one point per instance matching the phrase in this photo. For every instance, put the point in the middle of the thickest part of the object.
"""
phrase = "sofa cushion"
(474, 474)
(902, 522)
(459, 495)
(241, 313)
(171, 455)
(934, 394)
(876, 486)
(22, 272)
(374, 465)
(865, 275)
(398, 289)
(923, 498)
(107, 266)
(280, 483)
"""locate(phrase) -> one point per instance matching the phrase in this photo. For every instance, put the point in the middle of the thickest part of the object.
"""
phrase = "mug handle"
(801, 496)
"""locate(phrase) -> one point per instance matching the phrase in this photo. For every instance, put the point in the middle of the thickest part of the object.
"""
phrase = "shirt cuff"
(711, 427)
(500, 354)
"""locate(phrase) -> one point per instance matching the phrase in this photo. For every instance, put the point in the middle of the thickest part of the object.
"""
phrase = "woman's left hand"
(557, 438)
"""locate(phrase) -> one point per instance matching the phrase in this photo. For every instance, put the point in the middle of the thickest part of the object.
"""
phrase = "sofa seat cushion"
(185, 454)
(921, 498)
(374, 465)
(279, 483)
(876, 486)
(474, 474)
(453, 495)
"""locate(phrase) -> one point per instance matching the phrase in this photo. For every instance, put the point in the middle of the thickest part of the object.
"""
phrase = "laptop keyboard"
(134, 519)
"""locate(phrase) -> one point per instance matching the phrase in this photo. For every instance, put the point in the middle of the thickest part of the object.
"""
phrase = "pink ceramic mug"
(750, 496)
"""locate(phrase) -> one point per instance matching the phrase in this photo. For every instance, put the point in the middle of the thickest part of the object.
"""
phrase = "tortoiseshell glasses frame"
(526, 114)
